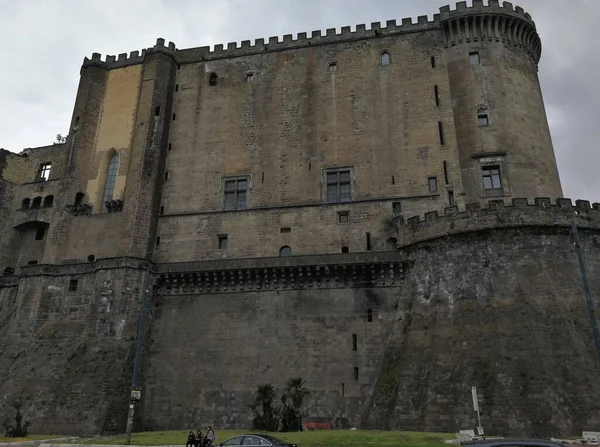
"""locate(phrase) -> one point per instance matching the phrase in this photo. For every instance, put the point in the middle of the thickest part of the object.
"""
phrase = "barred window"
(339, 186)
(236, 193)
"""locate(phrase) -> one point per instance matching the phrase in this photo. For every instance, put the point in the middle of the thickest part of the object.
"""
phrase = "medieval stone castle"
(377, 210)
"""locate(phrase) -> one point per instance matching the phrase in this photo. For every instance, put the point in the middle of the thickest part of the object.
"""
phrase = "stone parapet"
(520, 213)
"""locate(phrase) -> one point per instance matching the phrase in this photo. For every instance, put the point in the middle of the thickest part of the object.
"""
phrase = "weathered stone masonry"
(316, 205)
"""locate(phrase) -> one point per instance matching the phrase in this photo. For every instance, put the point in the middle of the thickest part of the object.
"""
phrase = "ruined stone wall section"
(67, 340)
(497, 215)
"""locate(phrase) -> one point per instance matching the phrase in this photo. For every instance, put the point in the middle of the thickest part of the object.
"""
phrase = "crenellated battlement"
(498, 215)
(134, 57)
(491, 22)
(462, 24)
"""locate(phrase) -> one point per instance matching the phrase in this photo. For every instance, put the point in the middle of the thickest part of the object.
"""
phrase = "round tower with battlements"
(504, 144)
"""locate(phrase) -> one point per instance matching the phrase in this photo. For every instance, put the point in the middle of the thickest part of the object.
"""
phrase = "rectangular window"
(162, 210)
(223, 242)
(249, 77)
(483, 120)
(436, 93)
(432, 181)
(432, 61)
(451, 198)
(474, 58)
(343, 217)
(73, 285)
(397, 207)
(356, 373)
(338, 186)
(40, 233)
(31, 262)
(354, 342)
(236, 191)
(176, 87)
(369, 315)
(285, 230)
(441, 132)
(166, 175)
(343, 389)
(44, 171)
(491, 178)
(368, 241)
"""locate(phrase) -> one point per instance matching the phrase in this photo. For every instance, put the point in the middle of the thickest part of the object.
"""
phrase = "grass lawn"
(325, 438)
(30, 438)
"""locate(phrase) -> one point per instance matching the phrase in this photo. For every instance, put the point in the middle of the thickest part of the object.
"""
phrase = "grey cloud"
(44, 42)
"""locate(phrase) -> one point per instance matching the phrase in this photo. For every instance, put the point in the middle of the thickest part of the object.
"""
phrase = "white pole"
(476, 408)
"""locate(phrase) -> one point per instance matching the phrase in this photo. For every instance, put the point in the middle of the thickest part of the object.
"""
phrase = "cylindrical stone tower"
(502, 132)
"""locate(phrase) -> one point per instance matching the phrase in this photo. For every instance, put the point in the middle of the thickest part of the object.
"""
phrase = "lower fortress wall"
(491, 298)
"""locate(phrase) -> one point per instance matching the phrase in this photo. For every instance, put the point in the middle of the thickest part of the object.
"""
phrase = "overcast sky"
(43, 42)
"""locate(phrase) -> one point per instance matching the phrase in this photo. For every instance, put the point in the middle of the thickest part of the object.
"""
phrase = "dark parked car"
(255, 440)
(510, 443)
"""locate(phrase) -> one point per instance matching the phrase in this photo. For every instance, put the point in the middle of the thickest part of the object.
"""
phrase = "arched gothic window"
(111, 178)
(285, 251)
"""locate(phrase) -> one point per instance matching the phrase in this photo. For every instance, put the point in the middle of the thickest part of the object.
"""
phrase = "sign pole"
(476, 408)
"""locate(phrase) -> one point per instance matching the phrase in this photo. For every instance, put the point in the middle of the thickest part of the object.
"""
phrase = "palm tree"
(296, 392)
(267, 417)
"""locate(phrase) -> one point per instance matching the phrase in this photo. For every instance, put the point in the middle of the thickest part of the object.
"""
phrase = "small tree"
(266, 416)
(19, 430)
(292, 400)
(60, 139)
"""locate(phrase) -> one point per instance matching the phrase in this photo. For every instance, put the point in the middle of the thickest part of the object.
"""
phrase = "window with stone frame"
(492, 180)
(44, 171)
(235, 193)
(338, 185)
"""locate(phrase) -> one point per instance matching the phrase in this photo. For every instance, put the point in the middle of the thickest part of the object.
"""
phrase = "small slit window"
(285, 251)
(474, 58)
(385, 59)
(356, 373)
(212, 79)
(354, 342)
(483, 120)
(157, 111)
